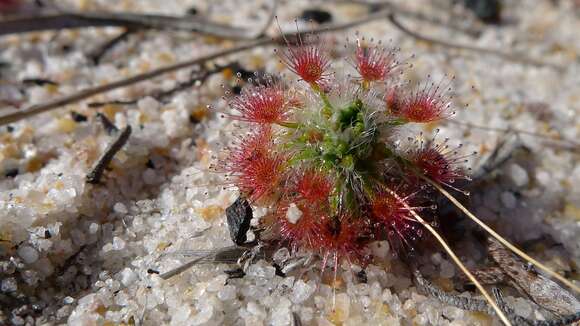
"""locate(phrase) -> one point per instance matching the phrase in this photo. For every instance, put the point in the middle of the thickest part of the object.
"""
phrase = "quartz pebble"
(120, 208)
(447, 270)
(8, 285)
(302, 291)
(522, 307)
(118, 243)
(128, 276)
(228, 292)
(518, 175)
(28, 254)
(508, 199)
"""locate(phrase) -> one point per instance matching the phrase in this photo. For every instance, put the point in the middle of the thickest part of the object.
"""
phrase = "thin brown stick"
(97, 54)
(86, 93)
(454, 257)
(129, 20)
(97, 171)
(499, 237)
(505, 55)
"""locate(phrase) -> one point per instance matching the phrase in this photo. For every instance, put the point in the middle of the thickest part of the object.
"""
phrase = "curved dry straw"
(499, 237)
(451, 254)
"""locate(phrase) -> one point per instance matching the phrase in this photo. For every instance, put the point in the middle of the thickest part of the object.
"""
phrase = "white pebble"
(522, 307)
(447, 270)
(293, 214)
(256, 309)
(28, 254)
(9, 285)
(380, 249)
(302, 291)
(343, 305)
(508, 199)
(118, 243)
(281, 313)
(204, 315)
(128, 276)
(180, 315)
(228, 292)
(436, 258)
(217, 283)
(149, 176)
(107, 247)
(120, 208)
(93, 228)
(30, 277)
(518, 175)
(148, 104)
(261, 271)
(281, 256)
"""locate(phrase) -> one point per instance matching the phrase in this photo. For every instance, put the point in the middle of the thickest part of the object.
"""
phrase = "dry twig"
(97, 171)
(65, 19)
(97, 54)
(128, 20)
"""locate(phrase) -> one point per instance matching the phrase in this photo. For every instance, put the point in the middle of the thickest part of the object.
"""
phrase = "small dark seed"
(193, 119)
(362, 276)
(11, 173)
(192, 11)
(38, 81)
(317, 15)
(152, 271)
(65, 48)
(150, 164)
(77, 117)
(488, 11)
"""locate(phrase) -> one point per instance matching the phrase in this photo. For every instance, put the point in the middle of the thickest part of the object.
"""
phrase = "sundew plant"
(326, 154)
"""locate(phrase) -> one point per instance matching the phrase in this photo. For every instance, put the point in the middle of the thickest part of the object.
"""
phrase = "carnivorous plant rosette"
(324, 152)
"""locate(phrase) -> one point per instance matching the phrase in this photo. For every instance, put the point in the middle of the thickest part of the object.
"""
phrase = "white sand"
(79, 253)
